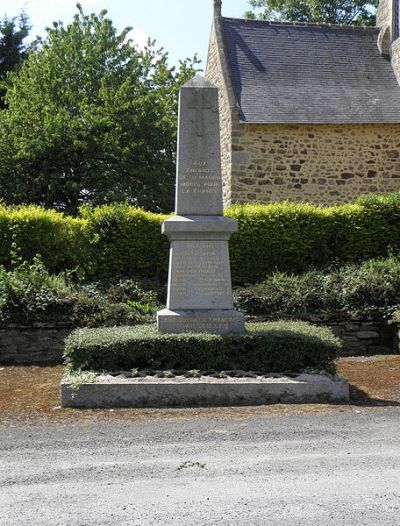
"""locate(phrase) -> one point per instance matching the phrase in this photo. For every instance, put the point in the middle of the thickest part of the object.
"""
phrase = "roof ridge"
(303, 24)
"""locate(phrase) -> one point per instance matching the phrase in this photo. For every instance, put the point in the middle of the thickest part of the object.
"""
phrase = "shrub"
(273, 347)
(293, 237)
(370, 287)
(125, 241)
(119, 240)
(27, 231)
(29, 294)
(282, 236)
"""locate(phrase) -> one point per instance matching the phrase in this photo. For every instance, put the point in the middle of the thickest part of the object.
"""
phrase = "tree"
(13, 32)
(357, 12)
(91, 119)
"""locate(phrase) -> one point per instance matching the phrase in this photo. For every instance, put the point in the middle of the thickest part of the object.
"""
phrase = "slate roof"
(295, 73)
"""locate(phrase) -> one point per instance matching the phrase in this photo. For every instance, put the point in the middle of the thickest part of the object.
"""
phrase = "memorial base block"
(210, 321)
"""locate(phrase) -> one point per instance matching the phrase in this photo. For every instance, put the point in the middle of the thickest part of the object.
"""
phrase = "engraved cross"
(199, 103)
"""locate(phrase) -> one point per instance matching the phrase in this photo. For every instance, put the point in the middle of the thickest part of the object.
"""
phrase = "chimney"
(217, 8)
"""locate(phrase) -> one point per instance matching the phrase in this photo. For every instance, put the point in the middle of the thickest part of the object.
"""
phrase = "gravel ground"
(310, 469)
(274, 465)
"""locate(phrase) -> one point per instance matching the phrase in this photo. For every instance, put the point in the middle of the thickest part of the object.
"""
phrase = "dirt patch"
(31, 395)
(374, 380)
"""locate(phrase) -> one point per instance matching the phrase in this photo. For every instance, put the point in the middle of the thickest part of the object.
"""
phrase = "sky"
(181, 27)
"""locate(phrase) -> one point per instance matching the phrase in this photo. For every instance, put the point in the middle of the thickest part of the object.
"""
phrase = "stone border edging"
(305, 388)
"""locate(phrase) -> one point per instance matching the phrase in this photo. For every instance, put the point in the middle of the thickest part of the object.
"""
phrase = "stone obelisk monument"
(199, 281)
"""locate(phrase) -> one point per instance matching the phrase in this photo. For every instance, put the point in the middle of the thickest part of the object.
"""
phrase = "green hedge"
(121, 240)
(104, 242)
(272, 347)
(292, 237)
(125, 241)
(26, 231)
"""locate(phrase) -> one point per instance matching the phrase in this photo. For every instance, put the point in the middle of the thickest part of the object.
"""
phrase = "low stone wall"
(363, 337)
(43, 344)
(39, 344)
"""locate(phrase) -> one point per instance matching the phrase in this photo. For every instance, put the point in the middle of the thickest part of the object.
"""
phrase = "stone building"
(308, 112)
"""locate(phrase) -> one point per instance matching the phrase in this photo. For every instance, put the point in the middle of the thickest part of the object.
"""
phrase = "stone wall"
(41, 344)
(324, 163)
(384, 13)
(395, 58)
(363, 337)
(214, 75)
(386, 41)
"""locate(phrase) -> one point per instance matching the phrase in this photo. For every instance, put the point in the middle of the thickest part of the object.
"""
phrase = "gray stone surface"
(214, 392)
(199, 280)
(27, 345)
(212, 321)
(199, 188)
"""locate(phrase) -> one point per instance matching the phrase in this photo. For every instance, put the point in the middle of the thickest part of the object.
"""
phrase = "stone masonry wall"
(363, 337)
(384, 13)
(395, 58)
(323, 163)
(214, 75)
(39, 345)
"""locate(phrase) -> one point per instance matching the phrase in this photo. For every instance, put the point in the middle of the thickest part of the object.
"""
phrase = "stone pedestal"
(199, 282)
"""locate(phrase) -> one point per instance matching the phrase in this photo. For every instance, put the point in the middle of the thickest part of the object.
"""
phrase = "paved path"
(316, 469)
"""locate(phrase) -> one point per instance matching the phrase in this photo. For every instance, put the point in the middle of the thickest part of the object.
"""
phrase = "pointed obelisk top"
(198, 81)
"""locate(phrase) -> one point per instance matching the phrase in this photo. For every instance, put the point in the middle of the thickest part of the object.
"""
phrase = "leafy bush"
(31, 294)
(125, 241)
(293, 237)
(370, 287)
(27, 231)
(273, 347)
(119, 240)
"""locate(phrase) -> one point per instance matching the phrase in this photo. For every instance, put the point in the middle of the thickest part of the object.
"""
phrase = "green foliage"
(277, 236)
(125, 241)
(371, 287)
(76, 378)
(357, 12)
(29, 294)
(91, 119)
(273, 347)
(13, 51)
(61, 241)
(293, 237)
(122, 241)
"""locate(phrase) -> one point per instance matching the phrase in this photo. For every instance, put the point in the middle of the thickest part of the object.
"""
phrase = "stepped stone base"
(211, 321)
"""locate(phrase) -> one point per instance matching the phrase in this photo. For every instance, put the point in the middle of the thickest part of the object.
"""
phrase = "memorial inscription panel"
(199, 277)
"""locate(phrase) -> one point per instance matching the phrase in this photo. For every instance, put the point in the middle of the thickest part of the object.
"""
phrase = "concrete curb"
(300, 390)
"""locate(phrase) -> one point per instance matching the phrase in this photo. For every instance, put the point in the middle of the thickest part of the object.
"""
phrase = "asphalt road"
(311, 469)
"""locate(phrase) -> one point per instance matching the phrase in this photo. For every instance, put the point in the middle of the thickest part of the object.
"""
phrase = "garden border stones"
(115, 393)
